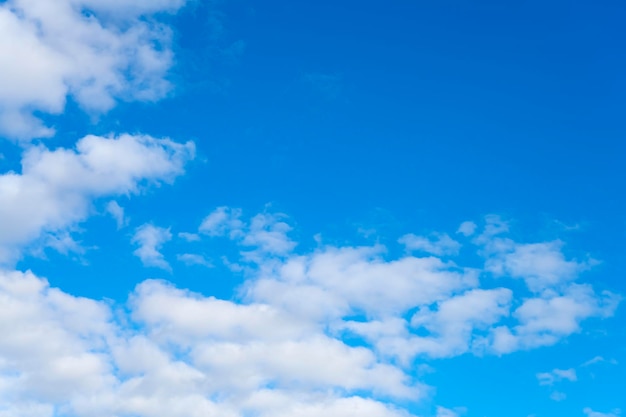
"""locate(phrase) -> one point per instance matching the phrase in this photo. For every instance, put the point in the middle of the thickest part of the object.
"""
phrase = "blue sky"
(312, 208)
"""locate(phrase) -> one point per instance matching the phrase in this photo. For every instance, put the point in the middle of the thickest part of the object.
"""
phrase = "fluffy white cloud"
(452, 313)
(95, 51)
(264, 234)
(149, 239)
(543, 321)
(541, 265)
(55, 188)
(278, 348)
(437, 244)
(51, 345)
(222, 221)
(338, 281)
(177, 354)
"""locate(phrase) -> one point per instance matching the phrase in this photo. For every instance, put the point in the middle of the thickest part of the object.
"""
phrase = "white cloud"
(446, 412)
(438, 244)
(95, 51)
(264, 235)
(150, 239)
(591, 413)
(51, 343)
(336, 281)
(545, 320)
(73, 354)
(541, 265)
(556, 375)
(55, 188)
(275, 404)
(599, 359)
(268, 234)
(194, 259)
(277, 348)
(117, 212)
(222, 221)
(467, 228)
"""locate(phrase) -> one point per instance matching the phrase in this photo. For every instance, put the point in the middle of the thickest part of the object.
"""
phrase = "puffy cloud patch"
(55, 188)
(149, 239)
(96, 51)
(280, 346)
(178, 354)
(424, 306)
(437, 244)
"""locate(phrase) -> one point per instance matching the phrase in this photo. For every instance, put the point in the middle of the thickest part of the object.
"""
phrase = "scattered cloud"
(591, 413)
(95, 51)
(599, 359)
(278, 347)
(438, 244)
(446, 412)
(194, 259)
(56, 188)
(117, 212)
(557, 375)
(541, 265)
(222, 221)
(150, 239)
(467, 228)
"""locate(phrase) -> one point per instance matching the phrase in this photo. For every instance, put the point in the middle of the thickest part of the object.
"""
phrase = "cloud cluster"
(177, 354)
(419, 306)
(55, 188)
(96, 51)
(281, 348)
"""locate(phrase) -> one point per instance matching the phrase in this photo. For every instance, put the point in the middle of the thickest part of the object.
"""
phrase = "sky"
(292, 209)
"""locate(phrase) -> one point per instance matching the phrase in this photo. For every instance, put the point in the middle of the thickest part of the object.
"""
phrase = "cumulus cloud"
(221, 221)
(279, 346)
(150, 239)
(55, 188)
(264, 234)
(543, 321)
(437, 244)
(452, 314)
(95, 51)
(71, 354)
(541, 265)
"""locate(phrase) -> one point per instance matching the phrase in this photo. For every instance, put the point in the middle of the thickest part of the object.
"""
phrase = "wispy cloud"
(150, 240)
